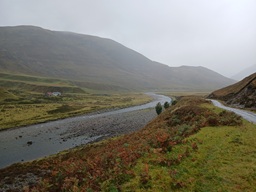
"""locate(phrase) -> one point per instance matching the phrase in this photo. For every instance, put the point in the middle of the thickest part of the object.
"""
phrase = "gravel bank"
(113, 125)
(41, 140)
(36, 141)
(108, 126)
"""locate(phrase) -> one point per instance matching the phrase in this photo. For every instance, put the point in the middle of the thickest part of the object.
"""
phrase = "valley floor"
(52, 137)
(192, 146)
(35, 108)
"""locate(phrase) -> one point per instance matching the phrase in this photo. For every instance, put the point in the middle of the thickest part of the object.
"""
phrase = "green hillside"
(38, 52)
(26, 83)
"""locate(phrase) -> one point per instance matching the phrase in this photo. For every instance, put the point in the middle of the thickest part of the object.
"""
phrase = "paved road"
(249, 116)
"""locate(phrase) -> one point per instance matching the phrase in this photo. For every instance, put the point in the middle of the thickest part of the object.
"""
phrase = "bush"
(213, 121)
(158, 108)
(174, 102)
(166, 105)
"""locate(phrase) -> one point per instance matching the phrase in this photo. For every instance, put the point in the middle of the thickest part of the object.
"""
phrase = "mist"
(219, 35)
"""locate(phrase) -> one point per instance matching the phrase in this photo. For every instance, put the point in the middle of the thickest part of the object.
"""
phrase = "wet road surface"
(249, 116)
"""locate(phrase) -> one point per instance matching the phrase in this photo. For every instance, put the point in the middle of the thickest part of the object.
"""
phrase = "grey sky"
(217, 34)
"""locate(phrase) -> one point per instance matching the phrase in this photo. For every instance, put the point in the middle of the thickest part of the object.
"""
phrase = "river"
(40, 140)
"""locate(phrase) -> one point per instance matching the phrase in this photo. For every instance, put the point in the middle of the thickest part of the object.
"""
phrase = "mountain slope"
(241, 94)
(36, 51)
(246, 72)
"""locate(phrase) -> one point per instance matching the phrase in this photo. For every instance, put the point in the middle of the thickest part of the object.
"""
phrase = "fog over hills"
(245, 73)
(88, 59)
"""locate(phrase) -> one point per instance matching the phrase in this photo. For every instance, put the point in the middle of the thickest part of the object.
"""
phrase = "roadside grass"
(36, 108)
(214, 159)
(192, 146)
(225, 160)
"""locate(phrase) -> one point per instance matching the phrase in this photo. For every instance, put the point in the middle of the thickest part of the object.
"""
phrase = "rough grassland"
(192, 146)
(225, 160)
(34, 108)
(23, 101)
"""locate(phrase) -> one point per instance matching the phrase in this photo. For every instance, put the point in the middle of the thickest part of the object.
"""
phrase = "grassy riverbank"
(27, 108)
(24, 99)
(193, 146)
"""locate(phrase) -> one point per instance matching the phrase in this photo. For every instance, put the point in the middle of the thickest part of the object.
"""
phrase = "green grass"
(33, 79)
(225, 160)
(37, 84)
(34, 108)
(221, 158)
(5, 94)
(22, 99)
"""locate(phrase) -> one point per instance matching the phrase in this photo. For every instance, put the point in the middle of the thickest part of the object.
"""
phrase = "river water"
(40, 140)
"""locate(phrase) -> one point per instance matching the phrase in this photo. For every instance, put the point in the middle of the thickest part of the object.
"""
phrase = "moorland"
(96, 63)
(24, 100)
(190, 146)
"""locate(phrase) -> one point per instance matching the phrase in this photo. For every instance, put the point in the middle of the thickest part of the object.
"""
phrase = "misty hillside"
(93, 60)
(246, 72)
(242, 93)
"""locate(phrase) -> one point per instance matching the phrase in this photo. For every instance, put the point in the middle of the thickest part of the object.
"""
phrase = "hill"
(93, 61)
(242, 94)
(246, 72)
(36, 84)
(192, 146)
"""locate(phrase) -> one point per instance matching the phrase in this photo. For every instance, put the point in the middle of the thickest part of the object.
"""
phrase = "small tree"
(166, 105)
(174, 102)
(158, 108)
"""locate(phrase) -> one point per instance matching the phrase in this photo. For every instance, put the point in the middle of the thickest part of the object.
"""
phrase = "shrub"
(174, 102)
(158, 108)
(212, 121)
(166, 105)
(182, 129)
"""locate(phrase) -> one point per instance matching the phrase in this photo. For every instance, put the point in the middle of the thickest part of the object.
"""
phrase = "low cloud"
(220, 35)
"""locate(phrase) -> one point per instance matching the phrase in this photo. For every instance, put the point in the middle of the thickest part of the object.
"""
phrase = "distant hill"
(89, 60)
(242, 94)
(246, 72)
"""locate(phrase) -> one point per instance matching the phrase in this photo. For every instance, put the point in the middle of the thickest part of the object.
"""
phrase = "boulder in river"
(30, 142)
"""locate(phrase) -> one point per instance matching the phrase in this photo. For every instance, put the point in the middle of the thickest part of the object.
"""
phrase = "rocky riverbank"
(41, 140)
(107, 126)
(114, 125)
